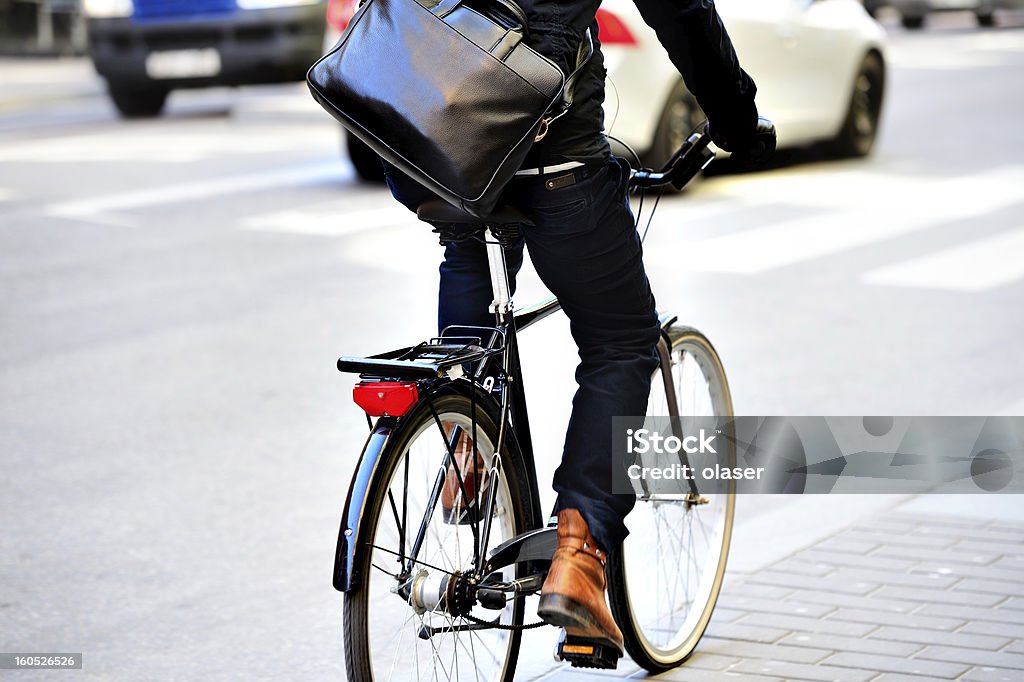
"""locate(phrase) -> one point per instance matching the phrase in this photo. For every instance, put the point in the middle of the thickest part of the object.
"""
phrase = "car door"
(797, 51)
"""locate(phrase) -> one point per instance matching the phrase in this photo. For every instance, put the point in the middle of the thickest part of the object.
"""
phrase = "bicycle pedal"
(583, 652)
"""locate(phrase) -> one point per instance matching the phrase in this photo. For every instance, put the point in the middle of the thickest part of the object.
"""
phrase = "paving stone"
(744, 605)
(802, 624)
(939, 596)
(997, 548)
(802, 567)
(939, 540)
(993, 535)
(984, 627)
(726, 615)
(1016, 603)
(1013, 562)
(872, 561)
(894, 664)
(801, 671)
(793, 654)
(906, 620)
(931, 581)
(896, 677)
(827, 584)
(760, 591)
(867, 645)
(991, 586)
(837, 544)
(889, 524)
(976, 657)
(920, 554)
(942, 521)
(921, 637)
(748, 633)
(859, 602)
(685, 674)
(991, 572)
(1017, 647)
(991, 675)
(710, 661)
(996, 615)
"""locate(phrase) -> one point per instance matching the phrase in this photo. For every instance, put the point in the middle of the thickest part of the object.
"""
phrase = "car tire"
(860, 127)
(679, 117)
(986, 19)
(912, 22)
(364, 160)
(138, 102)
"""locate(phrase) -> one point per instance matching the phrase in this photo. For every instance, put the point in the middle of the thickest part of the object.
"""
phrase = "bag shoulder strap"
(583, 55)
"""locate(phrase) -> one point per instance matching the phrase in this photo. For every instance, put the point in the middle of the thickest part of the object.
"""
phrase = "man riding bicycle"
(585, 248)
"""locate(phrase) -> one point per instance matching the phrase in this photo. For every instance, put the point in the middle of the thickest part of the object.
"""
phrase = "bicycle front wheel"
(415, 619)
(665, 580)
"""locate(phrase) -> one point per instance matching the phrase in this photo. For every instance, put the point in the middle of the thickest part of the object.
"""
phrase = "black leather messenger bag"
(449, 93)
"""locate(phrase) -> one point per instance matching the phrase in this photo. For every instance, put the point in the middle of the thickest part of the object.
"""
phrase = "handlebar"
(694, 156)
(690, 159)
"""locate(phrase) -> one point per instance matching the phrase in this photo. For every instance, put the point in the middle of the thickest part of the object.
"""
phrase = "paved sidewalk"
(903, 596)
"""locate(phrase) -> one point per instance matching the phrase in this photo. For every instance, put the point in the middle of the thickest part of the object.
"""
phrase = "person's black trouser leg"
(586, 250)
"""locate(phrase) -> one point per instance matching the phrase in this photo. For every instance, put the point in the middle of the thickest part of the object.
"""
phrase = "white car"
(819, 66)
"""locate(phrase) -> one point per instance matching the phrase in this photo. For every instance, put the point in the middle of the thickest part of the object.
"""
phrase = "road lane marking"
(331, 219)
(150, 145)
(99, 209)
(972, 268)
(898, 207)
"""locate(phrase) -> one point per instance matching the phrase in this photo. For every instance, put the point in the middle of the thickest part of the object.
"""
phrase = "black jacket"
(696, 41)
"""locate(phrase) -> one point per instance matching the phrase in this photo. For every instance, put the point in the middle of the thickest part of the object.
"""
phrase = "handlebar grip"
(765, 138)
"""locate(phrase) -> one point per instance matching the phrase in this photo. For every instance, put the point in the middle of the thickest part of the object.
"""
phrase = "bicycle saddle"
(440, 212)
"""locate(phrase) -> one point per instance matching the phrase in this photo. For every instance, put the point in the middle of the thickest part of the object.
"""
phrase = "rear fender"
(358, 494)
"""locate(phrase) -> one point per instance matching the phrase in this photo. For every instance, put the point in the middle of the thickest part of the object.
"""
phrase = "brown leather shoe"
(459, 505)
(572, 596)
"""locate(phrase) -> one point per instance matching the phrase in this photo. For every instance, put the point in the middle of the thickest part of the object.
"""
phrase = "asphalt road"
(175, 442)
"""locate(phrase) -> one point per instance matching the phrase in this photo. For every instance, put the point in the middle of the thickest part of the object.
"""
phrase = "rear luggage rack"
(428, 360)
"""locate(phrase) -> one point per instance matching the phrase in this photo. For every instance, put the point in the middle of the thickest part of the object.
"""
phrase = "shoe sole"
(564, 612)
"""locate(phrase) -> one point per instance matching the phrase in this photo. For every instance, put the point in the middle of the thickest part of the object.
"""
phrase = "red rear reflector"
(339, 12)
(385, 398)
(611, 30)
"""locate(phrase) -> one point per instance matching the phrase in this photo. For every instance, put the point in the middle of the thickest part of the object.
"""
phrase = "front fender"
(358, 494)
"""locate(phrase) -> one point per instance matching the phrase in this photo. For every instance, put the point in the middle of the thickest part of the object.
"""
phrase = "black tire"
(364, 160)
(138, 102)
(860, 127)
(662, 629)
(363, 628)
(912, 22)
(679, 117)
(986, 19)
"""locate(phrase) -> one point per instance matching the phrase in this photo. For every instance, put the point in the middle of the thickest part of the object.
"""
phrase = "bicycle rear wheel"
(400, 627)
(665, 580)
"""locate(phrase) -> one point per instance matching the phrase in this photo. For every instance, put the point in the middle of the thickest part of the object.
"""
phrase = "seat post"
(501, 306)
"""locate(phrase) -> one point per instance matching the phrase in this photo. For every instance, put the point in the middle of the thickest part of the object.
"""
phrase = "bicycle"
(426, 598)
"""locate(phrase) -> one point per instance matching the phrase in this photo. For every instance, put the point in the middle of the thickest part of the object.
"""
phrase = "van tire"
(138, 102)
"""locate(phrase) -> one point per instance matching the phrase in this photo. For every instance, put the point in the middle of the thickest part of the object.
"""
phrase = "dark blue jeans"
(585, 247)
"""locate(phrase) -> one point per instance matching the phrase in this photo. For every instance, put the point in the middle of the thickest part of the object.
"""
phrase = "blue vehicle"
(146, 48)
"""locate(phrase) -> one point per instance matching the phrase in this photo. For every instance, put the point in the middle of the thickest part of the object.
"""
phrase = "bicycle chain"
(500, 626)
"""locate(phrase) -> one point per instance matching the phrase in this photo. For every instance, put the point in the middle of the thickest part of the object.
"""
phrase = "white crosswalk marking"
(100, 208)
(974, 267)
(897, 208)
(332, 219)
